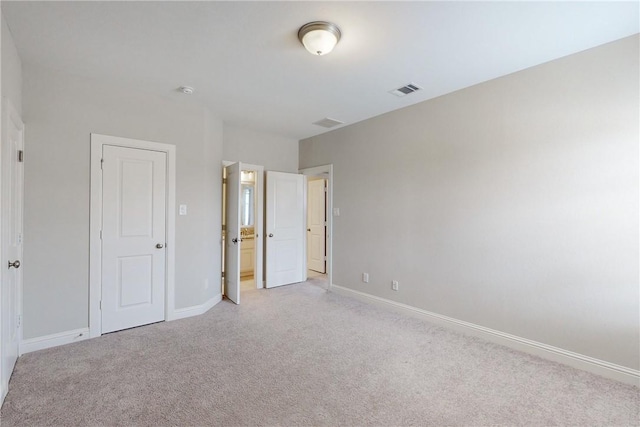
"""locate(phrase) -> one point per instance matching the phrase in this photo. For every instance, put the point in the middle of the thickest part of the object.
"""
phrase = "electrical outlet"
(394, 285)
(365, 277)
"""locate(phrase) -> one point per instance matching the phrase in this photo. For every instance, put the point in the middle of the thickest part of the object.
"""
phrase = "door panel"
(133, 239)
(135, 280)
(137, 198)
(12, 204)
(232, 235)
(285, 218)
(316, 229)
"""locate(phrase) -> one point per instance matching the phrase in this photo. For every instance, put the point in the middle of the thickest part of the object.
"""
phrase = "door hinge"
(100, 304)
(325, 257)
(100, 234)
(101, 163)
(224, 180)
(19, 321)
(325, 189)
(20, 156)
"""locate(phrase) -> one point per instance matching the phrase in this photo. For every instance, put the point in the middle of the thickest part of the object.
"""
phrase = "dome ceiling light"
(319, 37)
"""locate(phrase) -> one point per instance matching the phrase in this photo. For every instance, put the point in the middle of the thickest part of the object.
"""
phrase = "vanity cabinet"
(247, 259)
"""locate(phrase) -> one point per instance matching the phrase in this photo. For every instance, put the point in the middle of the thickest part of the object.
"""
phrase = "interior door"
(133, 237)
(232, 235)
(316, 229)
(12, 203)
(285, 229)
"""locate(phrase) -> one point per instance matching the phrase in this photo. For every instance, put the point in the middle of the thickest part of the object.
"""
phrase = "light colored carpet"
(297, 355)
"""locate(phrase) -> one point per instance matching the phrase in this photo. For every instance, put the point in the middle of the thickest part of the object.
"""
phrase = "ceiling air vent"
(405, 90)
(328, 123)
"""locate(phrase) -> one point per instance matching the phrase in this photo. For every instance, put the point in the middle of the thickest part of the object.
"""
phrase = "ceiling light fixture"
(319, 37)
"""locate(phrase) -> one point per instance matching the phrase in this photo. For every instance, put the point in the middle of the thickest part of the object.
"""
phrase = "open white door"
(316, 228)
(232, 234)
(12, 203)
(133, 237)
(285, 228)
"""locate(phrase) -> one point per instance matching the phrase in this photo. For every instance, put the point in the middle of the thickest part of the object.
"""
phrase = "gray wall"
(60, 113)
(11, 69)
(274, 152)
(512, 204)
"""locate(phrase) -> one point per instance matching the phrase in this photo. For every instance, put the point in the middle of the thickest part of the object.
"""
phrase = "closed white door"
(285, 228)
(133, 237)
(232, 235)
(316, 229)
(12, 203)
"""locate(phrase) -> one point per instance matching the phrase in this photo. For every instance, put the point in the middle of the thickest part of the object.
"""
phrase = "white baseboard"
(195, 310)
(576, 360)
(68, 337)
(53, 340)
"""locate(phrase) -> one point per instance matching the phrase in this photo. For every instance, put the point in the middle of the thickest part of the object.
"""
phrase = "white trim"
(326, 171)
(53, 340)
(196, 310)
(575, 360)
(95, 221)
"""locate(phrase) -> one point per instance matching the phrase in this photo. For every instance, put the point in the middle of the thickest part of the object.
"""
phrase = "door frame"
(95, 222)
(325, 171)
(258, 271)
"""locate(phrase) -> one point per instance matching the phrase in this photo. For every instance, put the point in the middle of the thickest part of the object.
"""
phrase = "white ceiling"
(246, 64)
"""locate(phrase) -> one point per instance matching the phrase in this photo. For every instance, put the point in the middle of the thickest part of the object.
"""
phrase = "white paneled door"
(285, 228)
(232, 235)
(12, 203)
(133, 237)
(316, 228)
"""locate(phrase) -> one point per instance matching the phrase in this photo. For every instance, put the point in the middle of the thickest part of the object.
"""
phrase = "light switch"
(183, 209)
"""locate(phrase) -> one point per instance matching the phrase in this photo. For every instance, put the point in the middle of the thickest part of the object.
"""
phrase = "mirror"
(246, 214)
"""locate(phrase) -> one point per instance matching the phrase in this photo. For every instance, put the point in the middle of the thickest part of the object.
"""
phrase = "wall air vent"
(328, 123)
(405, 90)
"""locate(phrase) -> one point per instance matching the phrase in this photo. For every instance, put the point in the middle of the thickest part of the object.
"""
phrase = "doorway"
(132, 233)
(242, 225)
(248, 214)
(316, 227)
(241, 280)
(319, 221)
(133, 237)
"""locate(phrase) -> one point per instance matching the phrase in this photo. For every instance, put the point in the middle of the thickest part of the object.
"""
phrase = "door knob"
(270, 234)
(159, 246)
(234, 240)
(308, 229)
(14, 264)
